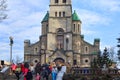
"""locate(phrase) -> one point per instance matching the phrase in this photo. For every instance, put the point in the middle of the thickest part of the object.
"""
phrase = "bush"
(68, 77)
(83, 78)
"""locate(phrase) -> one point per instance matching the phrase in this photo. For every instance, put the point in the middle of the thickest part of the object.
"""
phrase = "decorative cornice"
(32, 54)
(61, 17)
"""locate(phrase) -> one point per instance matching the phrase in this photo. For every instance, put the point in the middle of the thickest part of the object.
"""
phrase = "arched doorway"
(59, 60)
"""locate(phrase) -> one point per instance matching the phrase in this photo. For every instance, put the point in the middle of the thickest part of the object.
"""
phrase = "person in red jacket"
(26, 69)
(22, 67)
(13, 67)
(25, 73)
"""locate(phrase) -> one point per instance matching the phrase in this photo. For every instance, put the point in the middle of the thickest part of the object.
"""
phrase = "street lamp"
(118, 48)
(45, 56)
(40, 56)
(67, 41)
(11, 43)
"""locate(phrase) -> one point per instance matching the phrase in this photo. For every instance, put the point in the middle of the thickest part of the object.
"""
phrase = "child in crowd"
(37, 76)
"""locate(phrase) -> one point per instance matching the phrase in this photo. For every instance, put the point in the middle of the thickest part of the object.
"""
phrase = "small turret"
(96, 42)
(45, 24)
(76, 23)
(82, 36)
(26, 43)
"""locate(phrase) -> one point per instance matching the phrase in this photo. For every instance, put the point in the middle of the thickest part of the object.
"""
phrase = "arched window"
(56, 1)
(74, 62)
(64, 1)
(74, 27)
(46, 28)
(60, 30)
(63, 13)
(59, 14)
(78, 27)
(55, 14)
(86, 49)
(35, 50)
(60, 38)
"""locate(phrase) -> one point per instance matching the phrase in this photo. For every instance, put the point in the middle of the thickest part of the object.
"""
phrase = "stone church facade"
(61, 39)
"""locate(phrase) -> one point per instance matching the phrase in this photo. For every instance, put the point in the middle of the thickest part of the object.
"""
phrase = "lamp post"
(45, 56)
(40, 56)
(67, 41)
(118, 48)
(11, 44)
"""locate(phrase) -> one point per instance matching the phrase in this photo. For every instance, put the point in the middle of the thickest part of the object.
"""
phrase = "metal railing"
(77, 71)
(4, 72)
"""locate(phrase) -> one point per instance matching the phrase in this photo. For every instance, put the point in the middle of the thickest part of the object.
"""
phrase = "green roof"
(46, 17)
(82, 36)
(97, 40)
(75, 17)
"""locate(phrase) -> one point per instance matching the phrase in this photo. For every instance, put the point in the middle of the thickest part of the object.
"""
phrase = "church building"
(61, 39)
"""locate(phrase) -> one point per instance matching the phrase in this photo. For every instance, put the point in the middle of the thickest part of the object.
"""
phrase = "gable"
(58, 54)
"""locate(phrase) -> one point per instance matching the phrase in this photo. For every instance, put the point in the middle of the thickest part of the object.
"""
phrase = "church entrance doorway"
(59, 61)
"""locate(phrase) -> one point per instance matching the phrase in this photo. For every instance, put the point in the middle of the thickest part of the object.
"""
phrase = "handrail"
(4, 72)
(4, 69)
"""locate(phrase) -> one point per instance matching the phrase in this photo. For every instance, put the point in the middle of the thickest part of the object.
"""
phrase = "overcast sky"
(100, 19)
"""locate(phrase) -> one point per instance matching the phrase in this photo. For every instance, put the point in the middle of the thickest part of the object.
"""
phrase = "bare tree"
(18, 59)
(112, 53)
(3, 9)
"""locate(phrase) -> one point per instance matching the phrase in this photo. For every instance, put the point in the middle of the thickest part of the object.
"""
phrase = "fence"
(88, 72)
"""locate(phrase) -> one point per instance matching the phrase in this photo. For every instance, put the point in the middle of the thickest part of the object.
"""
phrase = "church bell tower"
(60, 21)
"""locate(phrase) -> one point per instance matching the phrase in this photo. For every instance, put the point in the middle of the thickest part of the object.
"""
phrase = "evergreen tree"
(99, 60)
(102, 60)
(94, 63)
(105, 58)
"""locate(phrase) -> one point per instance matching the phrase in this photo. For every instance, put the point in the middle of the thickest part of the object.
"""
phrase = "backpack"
(29, 75)
(49, 71)
(45, 73)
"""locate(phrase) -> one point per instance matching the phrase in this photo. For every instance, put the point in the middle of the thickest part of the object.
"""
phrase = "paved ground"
(13, 77)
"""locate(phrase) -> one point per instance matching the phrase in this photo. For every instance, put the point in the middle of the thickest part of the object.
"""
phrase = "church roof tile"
(46, 17)
(75, 17)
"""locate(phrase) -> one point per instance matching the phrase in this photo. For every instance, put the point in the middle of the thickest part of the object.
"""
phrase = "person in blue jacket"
(54, 72)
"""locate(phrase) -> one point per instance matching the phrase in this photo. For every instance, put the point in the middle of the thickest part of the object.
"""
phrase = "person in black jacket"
(29, 75)
(45, 73)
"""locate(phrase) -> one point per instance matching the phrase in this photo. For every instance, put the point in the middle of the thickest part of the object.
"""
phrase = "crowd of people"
(28, 71)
